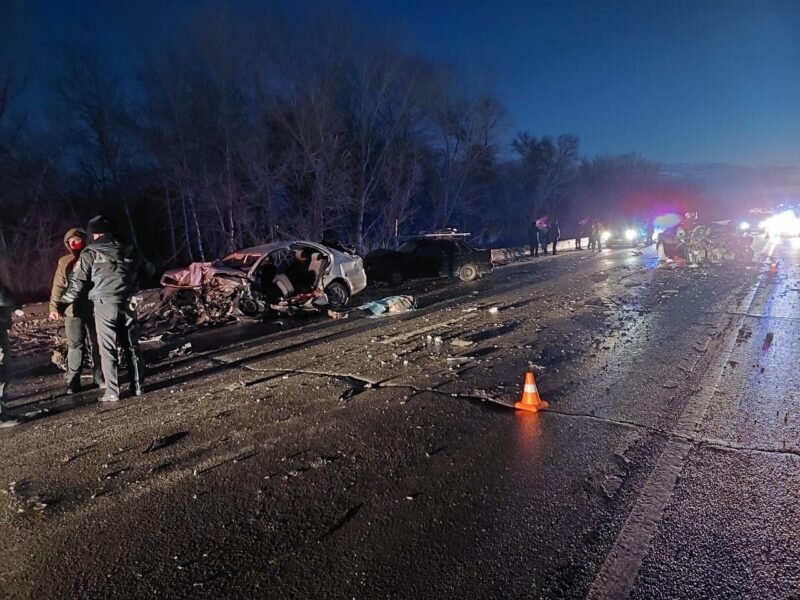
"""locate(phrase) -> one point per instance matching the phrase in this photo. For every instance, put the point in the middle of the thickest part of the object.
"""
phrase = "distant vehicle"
(444, 254)
(755, 221)
(622, 234)
(282, 276)
(783, 223)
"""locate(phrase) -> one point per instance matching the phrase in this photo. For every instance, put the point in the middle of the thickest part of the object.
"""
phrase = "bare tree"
(99, 132)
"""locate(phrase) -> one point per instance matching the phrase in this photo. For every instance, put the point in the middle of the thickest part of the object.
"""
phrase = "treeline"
(237, 132)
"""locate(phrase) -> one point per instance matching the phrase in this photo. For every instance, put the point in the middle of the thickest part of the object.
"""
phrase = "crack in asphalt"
(720, 445)
(699, 441)
(383, 384)
(363, 381)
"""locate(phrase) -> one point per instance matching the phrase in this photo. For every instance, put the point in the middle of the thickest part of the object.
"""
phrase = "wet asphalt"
(366, 458)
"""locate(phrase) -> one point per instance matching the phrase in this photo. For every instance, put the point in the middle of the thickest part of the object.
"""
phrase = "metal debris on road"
(768, 340)
(181, 350)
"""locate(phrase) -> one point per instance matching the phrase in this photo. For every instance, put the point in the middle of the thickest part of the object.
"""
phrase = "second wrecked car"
(281, 276)
(709, 243)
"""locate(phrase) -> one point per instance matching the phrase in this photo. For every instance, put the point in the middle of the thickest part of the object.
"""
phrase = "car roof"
(272, 246)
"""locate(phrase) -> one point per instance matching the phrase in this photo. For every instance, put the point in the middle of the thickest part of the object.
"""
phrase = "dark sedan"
(428, 257)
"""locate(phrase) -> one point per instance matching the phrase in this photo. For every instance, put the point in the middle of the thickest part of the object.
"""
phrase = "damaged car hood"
(195, 274)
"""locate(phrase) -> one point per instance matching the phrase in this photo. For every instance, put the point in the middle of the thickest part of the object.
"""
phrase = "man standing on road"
(554, 233)
(7, 304)
(581, 234)
(533, 238)
(108, 272)
(78, 320)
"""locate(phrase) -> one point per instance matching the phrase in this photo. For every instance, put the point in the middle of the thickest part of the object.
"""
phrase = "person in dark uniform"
(78, 320)
(597, 232)
(108, 272)
(581, 234)
(7, 304)
(533, 238)
(544, 236)
(554, 233)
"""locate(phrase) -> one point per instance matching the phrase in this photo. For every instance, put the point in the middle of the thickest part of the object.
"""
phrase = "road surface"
(367, 458)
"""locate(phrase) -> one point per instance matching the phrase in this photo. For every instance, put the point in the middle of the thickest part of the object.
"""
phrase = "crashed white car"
(283, 276)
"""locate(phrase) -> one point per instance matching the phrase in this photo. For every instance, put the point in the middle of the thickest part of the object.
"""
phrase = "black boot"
(74, 386)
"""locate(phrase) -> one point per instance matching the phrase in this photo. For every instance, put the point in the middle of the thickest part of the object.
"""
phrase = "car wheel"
(249, 306)
(338, 295)
(468, 272)
(395, 278)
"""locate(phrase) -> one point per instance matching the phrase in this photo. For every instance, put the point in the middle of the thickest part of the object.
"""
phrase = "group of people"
(93, 292)
(544, 236)
(549, 234)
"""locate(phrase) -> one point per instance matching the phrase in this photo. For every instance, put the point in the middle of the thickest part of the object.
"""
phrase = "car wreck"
(282, 277)
(705, 243)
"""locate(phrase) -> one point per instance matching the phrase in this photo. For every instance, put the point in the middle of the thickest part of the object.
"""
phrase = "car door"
(428, 259)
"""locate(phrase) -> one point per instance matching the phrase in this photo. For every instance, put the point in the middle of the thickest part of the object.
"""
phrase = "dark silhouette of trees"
(234, 132)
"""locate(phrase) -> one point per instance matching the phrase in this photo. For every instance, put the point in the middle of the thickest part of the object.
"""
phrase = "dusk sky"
(701, 81)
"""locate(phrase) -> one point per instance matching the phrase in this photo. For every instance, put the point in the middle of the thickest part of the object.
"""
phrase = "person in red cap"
(78, 319)
(107, 272)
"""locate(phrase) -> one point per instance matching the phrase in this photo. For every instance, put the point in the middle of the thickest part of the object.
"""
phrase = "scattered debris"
(181, 350)
(611, 485)
(459, 343)
(768, 340)
(343, 521)
(494, 310)
(162, 442)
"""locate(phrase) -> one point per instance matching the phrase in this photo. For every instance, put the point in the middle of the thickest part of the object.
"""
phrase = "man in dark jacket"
(78, 319)
(553, 234)
(533, 238)
(108, 272)
(7, 304)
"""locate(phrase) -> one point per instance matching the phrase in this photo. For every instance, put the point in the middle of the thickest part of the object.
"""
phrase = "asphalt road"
(364, 458)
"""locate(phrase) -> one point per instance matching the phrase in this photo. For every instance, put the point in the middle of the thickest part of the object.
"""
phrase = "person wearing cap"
(78, 319)
(7, 304)
(107, 272)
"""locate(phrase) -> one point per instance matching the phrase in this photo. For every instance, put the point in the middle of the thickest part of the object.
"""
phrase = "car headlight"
(605, 236)
(744, 225)
(630, 234)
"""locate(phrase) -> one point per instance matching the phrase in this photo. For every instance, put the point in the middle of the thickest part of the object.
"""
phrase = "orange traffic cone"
(530, 396)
